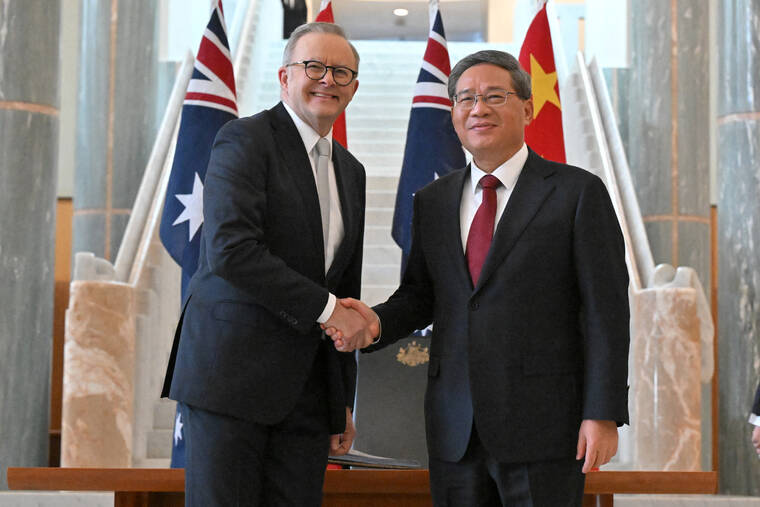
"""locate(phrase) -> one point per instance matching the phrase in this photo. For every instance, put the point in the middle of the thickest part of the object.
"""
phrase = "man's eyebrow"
(489, 89)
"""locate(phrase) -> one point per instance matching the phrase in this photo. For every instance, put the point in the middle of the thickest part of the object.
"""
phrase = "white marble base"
(685, 501)
(55, 499)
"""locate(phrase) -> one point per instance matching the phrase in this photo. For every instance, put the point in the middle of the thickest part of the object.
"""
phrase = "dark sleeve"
(756, 403)
(234, 210)
(410, 307)
(599, 256)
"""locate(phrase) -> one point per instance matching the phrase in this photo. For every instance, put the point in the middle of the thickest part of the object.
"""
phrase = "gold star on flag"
(543, 86)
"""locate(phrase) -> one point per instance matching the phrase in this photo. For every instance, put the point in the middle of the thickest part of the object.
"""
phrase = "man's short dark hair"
(520, 78)
(315, 27)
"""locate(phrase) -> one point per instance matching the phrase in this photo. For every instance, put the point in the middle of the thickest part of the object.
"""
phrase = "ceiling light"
(400, 12)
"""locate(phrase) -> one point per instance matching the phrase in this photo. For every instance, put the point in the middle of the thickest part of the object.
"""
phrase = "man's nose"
(480, 108)
(328, 79)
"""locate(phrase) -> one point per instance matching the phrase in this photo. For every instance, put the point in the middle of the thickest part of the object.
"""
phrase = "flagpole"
(560, 64)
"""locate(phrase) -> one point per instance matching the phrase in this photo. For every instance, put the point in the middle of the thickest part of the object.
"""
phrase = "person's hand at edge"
(340, 444)
(597, 442)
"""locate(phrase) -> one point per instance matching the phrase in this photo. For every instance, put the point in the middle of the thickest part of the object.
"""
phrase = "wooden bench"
(162, 487)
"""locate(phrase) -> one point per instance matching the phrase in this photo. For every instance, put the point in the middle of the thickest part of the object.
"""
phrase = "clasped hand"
(352, 325)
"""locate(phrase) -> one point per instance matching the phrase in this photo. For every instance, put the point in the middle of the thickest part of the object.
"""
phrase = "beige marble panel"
(99, 357)
(665, 379)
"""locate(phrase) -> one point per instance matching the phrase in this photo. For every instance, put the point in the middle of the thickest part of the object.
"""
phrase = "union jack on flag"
(432, 147)
(210, 102)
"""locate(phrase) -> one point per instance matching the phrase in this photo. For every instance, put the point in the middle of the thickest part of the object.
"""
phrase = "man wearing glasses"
(266, 395)
(519, 263)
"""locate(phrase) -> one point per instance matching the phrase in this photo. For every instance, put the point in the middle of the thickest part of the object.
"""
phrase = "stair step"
(380, 274)
(381, 198)
(382, 254)
(378, 216)
(378, 234)
(381, 183)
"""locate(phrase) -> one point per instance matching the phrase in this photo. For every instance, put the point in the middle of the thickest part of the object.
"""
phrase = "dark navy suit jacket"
(248, 336)
(542, 341)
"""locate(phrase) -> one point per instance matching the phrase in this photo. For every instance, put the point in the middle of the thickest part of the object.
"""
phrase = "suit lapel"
(348, 190)
(451, 227)
(531, 190)
(297, 161)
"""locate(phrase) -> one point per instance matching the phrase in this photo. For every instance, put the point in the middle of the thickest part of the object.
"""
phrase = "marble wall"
(662, 104)
(738, 239)
(29, 72)
(124, 88)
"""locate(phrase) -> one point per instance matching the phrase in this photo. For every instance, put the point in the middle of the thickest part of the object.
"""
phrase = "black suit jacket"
(248, 336)
(542, 341)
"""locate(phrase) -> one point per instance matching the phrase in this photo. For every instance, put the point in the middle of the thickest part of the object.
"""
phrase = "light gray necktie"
(323, 187)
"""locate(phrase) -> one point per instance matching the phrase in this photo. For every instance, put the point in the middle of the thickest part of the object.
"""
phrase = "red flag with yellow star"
(544, 134)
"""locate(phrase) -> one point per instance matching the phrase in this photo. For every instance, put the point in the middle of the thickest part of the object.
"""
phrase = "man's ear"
(282, 76)
(528, 110)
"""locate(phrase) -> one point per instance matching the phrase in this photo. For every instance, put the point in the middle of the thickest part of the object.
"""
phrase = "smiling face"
(491, 134)
(318, 103)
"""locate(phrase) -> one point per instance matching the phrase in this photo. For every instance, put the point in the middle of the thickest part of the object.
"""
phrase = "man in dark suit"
(519, 263)
(264, 394)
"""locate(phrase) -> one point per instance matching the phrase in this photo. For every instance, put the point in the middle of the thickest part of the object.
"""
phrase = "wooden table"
(162, 487)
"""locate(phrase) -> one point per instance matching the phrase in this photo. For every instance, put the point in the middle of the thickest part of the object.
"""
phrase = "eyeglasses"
(493, 98)
(316, 70)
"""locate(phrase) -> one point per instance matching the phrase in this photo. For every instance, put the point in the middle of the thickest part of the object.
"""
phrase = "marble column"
(29, 32)
(98, 383)
(124, 88)
(665, 380)
(738, 239)
(662, 103)
(663, 100)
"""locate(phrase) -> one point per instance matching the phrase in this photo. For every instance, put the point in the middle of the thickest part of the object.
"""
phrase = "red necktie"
(481, 230)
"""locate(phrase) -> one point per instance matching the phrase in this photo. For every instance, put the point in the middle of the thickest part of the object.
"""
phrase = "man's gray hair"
(520, 78)
(315, 27)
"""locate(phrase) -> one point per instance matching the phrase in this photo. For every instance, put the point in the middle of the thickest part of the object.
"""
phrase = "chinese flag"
(544, 134)
(339, 127)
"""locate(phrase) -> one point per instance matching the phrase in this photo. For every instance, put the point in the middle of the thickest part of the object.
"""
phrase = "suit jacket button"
(474, 305)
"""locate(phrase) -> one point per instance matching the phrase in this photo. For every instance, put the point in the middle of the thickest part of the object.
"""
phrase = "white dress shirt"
(335, 235)
(472, 193)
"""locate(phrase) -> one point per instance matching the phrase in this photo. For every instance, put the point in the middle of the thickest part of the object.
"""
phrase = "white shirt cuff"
(754, 419)
(329, 307)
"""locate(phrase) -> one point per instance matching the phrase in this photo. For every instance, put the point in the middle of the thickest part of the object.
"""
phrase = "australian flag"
(210, 102)
(432, 147)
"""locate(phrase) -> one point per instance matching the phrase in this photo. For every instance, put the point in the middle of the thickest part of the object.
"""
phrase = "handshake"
(352, 325)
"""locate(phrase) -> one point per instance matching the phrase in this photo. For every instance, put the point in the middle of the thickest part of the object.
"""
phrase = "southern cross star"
(193, 212)
(178, 428)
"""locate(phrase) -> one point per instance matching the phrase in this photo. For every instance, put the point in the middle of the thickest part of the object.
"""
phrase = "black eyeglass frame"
(332, 69)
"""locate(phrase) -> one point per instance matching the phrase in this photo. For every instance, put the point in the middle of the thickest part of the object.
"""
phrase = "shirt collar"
(309, 136)
(507, 172)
